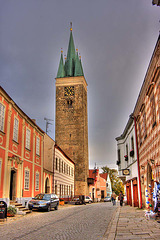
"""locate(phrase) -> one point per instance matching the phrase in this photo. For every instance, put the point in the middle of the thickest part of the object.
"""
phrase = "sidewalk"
(130, 223)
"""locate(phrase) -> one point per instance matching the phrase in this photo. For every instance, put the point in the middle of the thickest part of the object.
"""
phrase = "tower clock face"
(69, 91)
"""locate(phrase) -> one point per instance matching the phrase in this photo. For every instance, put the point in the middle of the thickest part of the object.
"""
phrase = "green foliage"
(11, 210)
(116, 183)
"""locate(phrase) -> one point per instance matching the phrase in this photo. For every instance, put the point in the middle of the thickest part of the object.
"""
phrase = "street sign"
(126, 172)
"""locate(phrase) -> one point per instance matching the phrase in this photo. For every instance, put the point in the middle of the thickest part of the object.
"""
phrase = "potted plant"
(11, 211)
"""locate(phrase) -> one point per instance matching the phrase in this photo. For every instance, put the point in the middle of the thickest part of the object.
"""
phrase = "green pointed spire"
(61, 72)
(81, 67)
(78, 67)
(71, 57)
(72, 66)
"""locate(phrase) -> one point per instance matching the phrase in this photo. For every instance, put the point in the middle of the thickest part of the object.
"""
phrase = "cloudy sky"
(115, 39)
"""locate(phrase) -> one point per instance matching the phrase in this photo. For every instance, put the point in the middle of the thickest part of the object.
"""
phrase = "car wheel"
(49, 208)
(56, 207)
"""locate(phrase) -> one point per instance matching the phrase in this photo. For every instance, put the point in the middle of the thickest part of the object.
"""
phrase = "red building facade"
(147, 118)
(21, 153)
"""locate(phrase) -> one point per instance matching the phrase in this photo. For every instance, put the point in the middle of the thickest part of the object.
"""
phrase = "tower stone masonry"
(71, 132)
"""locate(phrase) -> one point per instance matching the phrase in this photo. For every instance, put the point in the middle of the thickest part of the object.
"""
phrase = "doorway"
(102, 194)
(93, 194)
(47, 187)
(13, 185)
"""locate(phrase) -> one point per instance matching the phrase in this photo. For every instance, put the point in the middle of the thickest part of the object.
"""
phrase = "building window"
(119, 155)
(153, 110)
(140, 138)
(69, 171)
(59, 165)
(28, 135)
(144, 125)
(69, 103)
(15, 129)
(56, 188)
(56, 163)
(26, 179)
(2, 115)
(62, 166)
(72, 171)
(37, 181)
(132, 143)
(60, 190)
(127, 149)
(37, 145)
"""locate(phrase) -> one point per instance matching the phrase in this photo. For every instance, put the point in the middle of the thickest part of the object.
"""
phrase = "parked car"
(107, 199)
(76, 201)
(88, 199)
(45, 201)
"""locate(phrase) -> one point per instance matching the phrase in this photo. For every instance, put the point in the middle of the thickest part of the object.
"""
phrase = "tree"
(116, 183)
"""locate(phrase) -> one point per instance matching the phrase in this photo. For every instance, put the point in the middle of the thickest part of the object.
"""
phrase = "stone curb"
(112, 227)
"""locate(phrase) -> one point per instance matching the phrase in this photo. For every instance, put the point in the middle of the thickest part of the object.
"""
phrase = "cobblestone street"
(78, 223)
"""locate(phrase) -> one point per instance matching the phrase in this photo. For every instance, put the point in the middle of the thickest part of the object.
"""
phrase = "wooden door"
(135, 195)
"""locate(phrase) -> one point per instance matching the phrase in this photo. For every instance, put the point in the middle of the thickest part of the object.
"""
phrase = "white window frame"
(28, 138)
(26, 179)
(2, 116)
(15, 129)
(38, 146)
(37, 181)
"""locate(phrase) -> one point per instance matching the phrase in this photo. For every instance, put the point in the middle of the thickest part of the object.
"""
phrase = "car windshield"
(42, 197)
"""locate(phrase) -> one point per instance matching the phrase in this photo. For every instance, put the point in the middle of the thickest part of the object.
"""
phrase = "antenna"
(47, 123)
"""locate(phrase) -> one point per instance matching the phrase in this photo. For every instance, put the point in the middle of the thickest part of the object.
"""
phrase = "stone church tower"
(71, 132)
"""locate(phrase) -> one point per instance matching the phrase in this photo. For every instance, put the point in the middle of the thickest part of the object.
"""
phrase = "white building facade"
(64, 174)
(127, 163)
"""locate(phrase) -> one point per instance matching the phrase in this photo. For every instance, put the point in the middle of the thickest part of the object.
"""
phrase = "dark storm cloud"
(116, 40)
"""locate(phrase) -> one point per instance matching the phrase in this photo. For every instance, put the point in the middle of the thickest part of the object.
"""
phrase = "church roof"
(73, 65)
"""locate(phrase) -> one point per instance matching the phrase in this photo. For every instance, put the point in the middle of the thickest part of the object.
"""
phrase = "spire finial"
(71, 26)
(61, 50)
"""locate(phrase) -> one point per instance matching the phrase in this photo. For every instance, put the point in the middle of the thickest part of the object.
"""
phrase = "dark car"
(45, 201)
(76, 201)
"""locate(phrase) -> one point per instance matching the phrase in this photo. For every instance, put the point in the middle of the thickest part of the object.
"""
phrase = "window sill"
(37, 155)
(28, 149)
(3, 133)
(15, 142)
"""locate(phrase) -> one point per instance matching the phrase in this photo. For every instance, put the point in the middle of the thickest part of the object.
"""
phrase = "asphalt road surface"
(84, 222)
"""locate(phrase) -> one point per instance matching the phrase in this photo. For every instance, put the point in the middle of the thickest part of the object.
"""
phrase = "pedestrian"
(121, 198)
(113, 198)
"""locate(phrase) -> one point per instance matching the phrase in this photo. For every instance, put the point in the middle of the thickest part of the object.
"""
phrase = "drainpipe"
(139, 181)
(53, 167)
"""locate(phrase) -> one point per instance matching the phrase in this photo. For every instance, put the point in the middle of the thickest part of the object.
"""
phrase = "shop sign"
(126, 172)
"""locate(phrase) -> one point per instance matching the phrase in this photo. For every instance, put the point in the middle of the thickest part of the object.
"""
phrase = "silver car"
(45, 201)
